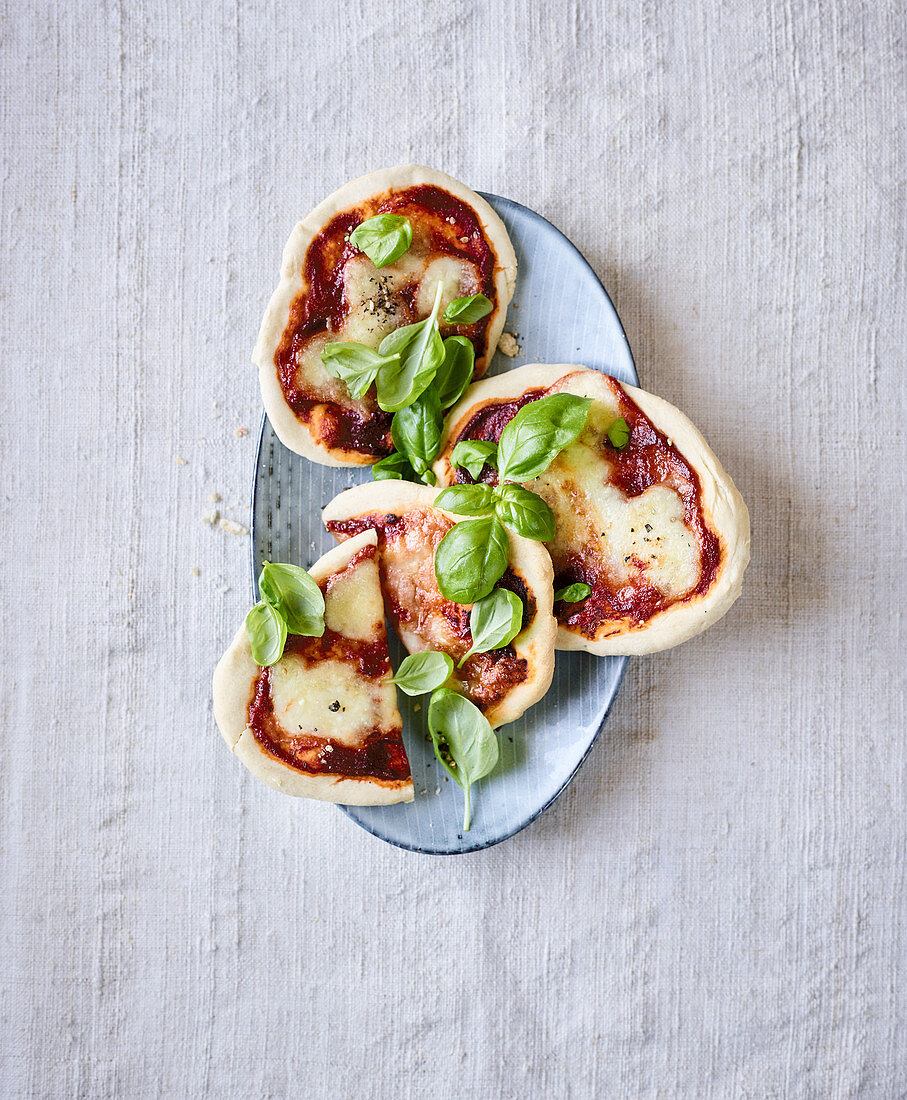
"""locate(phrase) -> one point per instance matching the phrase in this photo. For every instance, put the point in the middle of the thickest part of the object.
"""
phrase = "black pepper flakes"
(335, 706)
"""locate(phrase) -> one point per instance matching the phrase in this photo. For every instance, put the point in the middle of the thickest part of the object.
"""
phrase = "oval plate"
(562, 314)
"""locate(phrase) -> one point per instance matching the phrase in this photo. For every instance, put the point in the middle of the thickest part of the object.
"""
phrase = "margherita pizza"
(331, 291)
(323, 721)
(652, 523)
(502, 683)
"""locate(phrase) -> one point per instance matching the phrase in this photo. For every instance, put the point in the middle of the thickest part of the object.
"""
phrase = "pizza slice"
(323, 721)
(645, 515)
(502, 683)
(330, 291)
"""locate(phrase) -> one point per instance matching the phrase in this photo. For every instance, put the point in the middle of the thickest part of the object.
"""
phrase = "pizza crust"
(293, 433)
(723, 507)
(528, 559)
(234, 681)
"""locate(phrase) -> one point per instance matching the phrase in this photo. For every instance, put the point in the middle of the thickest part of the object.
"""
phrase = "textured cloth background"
(716, 906)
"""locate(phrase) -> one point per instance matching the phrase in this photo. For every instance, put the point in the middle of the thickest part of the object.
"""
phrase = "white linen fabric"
(716, 906)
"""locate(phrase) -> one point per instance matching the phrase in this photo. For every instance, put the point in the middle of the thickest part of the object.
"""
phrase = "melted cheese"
(306, 696)
(409, 577)
(460, 279)
(353, 606)
(611, 528)
(303, 695)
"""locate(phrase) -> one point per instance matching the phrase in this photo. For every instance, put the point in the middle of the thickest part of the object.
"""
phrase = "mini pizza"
(654, 526)
(502, 683)
(331, 291)
(323, 721)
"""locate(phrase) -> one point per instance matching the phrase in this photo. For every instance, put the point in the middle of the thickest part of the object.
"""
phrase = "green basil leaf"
(416, 432)
(394, 465)
(573, 593)
(355, 364)
(467, 500)
(383, 238)
(619, 433)
(473, 454)
(538, 433)
(422, 672)
(455, 373)
(525, 512)
(466, 311)
(420, 353)
(493, 622)
(296, 596)
(267, 634)
(470, 558)
(464, 742)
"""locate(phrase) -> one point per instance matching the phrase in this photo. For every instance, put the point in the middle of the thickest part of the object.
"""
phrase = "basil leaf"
(619, 433)
(493, 622)
(416, 432)
(420, 352)
(463, 740)
(296, 596)
(525, 512)
(573, 593)
(356, 364)
(473, 454)
(422, 672)
(538, 433)
(467, 500)
(394, 465)
(455, 373)
(267, 634)
(466, 311)
(470, 558)
(383, 238)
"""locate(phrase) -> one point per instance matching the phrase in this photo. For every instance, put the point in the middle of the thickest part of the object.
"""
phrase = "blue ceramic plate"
(561, 314)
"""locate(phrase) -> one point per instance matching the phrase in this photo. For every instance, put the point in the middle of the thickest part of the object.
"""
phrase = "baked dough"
(502, 683)
(659, 530)
(329, 426)
(338, 706)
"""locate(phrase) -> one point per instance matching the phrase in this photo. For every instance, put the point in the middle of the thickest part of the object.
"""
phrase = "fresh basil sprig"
(455, 373)
(464, 742)
(393, 466)
(574, 593)
(416, 432)
(493, 622)
(619, 433)
(525, 512)
(355, 364)
(466, 311)
(470, 558)
(472, 455)
(467, 500)
(422, 672)
(538, 433)
(266, 630)
(291, 603)
(465, 561)
(293, 593)
(383, 238)
(419, 352)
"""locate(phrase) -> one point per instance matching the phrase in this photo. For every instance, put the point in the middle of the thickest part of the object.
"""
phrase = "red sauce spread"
(442, 225)
(381, 756)
(648, 459)
(486, 677)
